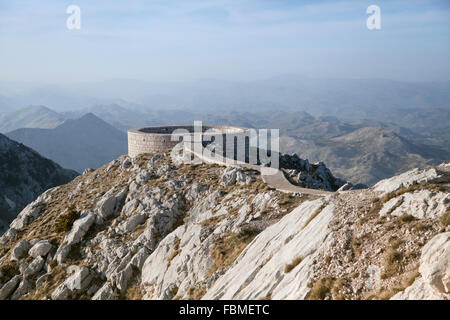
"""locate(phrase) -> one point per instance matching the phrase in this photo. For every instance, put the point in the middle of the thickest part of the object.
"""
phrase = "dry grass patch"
(392, 258)
(176, 251)
(57, 276)
(327, 286)
(10, 268)
(289, 202)
(65, 221)
(290, 266)
(445, 218)
(229, 247)
(195, 293)
(315, 214)
(134, 293)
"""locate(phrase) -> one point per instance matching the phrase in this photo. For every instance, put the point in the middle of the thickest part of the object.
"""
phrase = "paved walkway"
(271, 176)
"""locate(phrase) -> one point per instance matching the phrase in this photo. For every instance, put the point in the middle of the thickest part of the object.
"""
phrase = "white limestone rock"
(106, 292)
(106, 206)
(186, 268)
(422, 204)
(434, 281)
(40, 249)
(20, 250)
(435, 262)
(235, 175)
(34, 267)
(259, 270)
(409, 178)
(24, 287)
(419, 290)
(9, 287)
(79, 228)
(76, 284)
(79, 280)
(61, 293)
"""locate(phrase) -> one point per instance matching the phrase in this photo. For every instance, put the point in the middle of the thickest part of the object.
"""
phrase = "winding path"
(271, 176)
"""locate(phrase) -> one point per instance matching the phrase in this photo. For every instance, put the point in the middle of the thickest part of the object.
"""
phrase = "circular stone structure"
(161, 139)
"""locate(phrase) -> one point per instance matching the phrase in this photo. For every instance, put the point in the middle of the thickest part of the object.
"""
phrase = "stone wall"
(159, 139)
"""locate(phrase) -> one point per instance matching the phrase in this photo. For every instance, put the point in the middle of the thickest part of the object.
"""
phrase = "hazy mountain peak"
(31, 117)
(86, 142)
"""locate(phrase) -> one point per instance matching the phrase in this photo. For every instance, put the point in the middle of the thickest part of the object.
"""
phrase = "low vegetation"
(229, 247)
(290, 266)
(392, 259)
(327, 287)
(315, 214)
(176, 251)
(65, 221)
(196, 293)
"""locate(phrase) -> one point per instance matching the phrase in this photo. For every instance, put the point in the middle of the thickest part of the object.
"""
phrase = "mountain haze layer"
(87, 142)
(32, 117)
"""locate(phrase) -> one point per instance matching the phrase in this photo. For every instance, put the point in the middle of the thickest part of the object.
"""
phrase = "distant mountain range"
(24, 175)
(87, 142)
(31, 117)
(361, 150)
(347, 98)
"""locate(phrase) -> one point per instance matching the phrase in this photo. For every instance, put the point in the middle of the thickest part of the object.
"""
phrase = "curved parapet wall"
(159, 139)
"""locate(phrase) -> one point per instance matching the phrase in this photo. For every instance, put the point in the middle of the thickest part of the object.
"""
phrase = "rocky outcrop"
(24, 175)
(153, 228)
(422, 204)
(412, 177)
(434, 280)
(259, 271)
(313, 176)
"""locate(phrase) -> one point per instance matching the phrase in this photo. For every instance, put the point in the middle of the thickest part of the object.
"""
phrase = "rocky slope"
(24, 175)
(152, 228)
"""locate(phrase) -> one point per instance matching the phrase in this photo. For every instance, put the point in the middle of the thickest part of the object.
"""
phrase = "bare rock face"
(419, 290)
(79, 228)
(40, 249)
(315, 176)
(409, 178)
(20, 250)
(422, 204)
(259, 271)
(9, 287)
(233, 176)
(149, 228)
(434, 282)
(435, 263)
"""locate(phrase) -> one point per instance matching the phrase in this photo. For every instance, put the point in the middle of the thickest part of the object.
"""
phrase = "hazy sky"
(179, 40)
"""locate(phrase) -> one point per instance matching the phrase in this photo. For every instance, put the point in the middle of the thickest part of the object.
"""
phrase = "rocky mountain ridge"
(24, 175)
(31, 117)
(78, 144)
(152, 228)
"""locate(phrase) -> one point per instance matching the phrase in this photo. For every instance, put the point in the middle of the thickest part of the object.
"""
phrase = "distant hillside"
(31, 117)
(24, 175)
(364, 155)
(87, 142)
